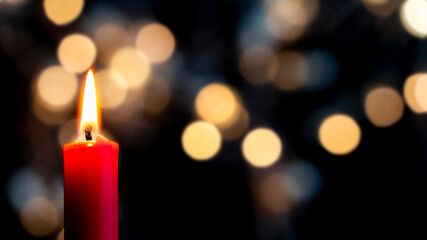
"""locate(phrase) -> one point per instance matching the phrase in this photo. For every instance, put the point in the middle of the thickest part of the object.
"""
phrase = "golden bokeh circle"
(39, 217)
(201, 140)
(384, 106)
(216, 103)
(339, 134)
(262, 147)
(76, 52)
(156, 41)
(132, 65)
(62, 12)
(111, 89)
(420, 92)
(56, 87)
(409, 93)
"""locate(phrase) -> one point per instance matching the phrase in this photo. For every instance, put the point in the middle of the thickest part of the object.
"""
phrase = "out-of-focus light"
(76, 53)
(339, 134)
(49, 116)
(216, 103)
(156, 41)
(24, 185)
(58, 201)
(303, 180)
(111, 88)
(384, 106)
(201, 140)
(293, 71)
(67, 132)
(258, 64)
(156, 96)
(420, 92)
(414, 18)
(272, 194)
(262, 147)
(381, 8)
(62, 12)
(323, 69)
(375, 2)
(409, 93)
(60, 235)
(237, 127)
(39, 217)
(110, 37)
(56, 87)
(15, 2)
(288, 19)
(254, 29)
(132, 65)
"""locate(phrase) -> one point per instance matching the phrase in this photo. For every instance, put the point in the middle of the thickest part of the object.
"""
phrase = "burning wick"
(88, 132)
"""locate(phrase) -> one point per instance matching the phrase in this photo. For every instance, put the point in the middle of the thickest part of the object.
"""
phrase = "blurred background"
(236, 119)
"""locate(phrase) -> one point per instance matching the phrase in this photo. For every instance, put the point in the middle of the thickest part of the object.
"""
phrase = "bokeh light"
(381, 8)
(62, 12)
(110, 37)
(156, 41)
(262, 147)
(236, 127)
(414, 18)
(60, 235)
(24, 185)
(216, 103)
(272, 195)
(15, 2)
(111, 87)
(303, 180)
(409, 93)
(132, 65)
(420, 91)
(339, 134)
(67, 132)
(56, 87)
(155, 96)
(287, 19)
(39, 217)
(201, 140)
(293, 71)
(76, 52)
(258, 64)
(48, 115)
(383, 106)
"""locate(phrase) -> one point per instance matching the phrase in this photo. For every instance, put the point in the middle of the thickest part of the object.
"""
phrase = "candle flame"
(89, 118)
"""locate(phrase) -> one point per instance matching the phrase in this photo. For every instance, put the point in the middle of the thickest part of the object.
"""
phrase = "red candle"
(90, 177)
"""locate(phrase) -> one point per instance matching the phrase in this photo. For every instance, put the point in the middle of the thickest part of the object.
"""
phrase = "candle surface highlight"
(90, 177)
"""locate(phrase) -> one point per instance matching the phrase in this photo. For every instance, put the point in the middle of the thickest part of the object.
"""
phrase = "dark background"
(379, 190)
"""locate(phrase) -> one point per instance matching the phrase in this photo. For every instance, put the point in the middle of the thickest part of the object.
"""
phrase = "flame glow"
(89, 108)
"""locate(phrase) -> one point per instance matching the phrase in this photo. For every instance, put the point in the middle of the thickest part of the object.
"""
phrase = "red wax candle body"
(91, 190)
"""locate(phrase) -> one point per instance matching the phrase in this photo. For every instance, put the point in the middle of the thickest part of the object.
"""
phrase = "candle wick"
(88, 132)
